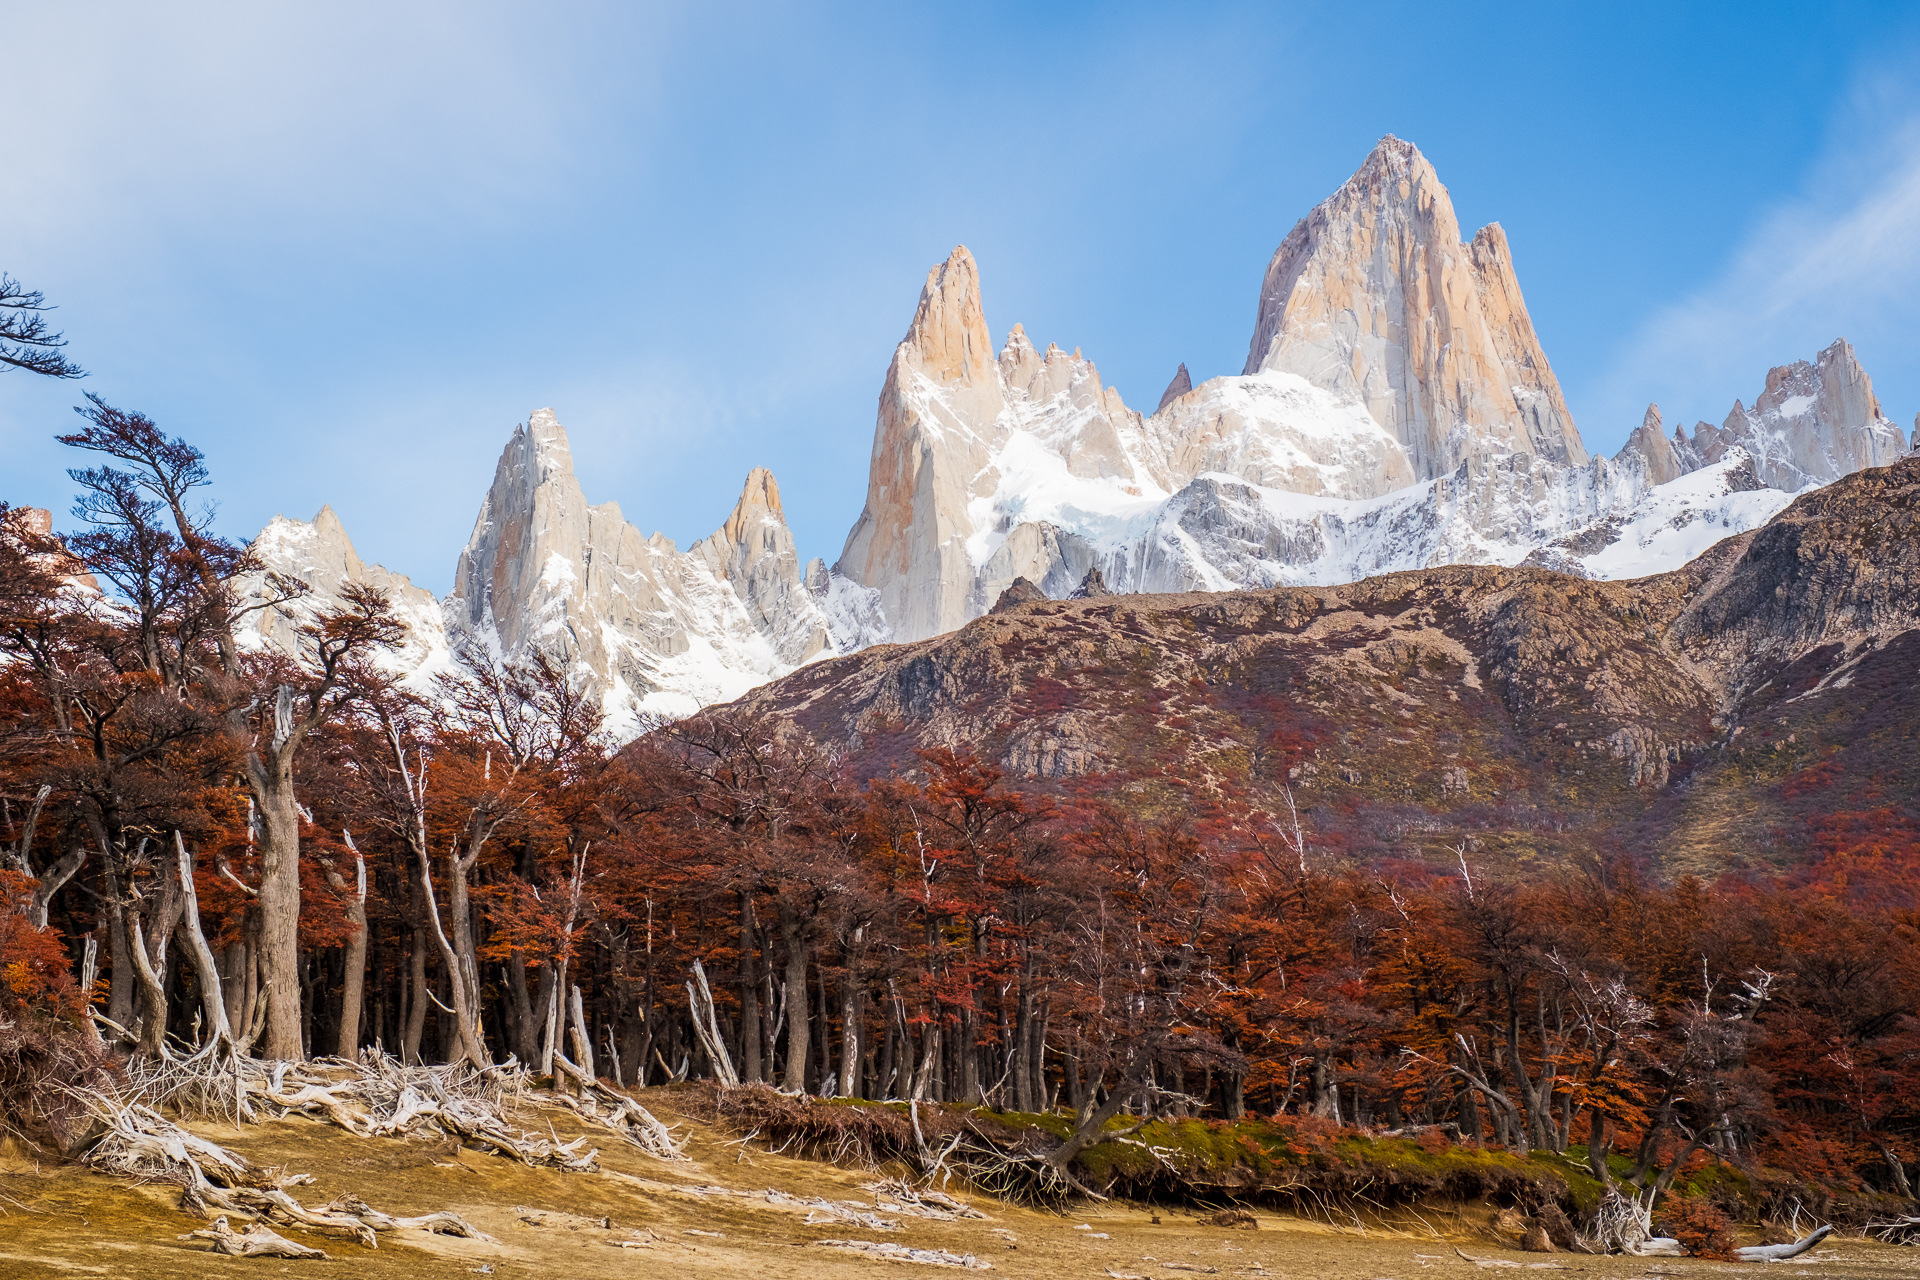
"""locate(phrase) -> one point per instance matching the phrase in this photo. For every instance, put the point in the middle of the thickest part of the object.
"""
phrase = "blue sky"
(346, 248)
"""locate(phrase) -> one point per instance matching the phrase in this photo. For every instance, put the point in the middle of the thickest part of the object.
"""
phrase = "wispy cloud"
(1841, 260)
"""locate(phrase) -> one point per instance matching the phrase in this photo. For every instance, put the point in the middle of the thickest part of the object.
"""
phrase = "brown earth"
(1712, 717)
(60, 1220)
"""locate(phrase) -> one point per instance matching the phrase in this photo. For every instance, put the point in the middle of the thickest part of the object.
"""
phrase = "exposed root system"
(139, 1143)
(379, 1096)
(937, 1144)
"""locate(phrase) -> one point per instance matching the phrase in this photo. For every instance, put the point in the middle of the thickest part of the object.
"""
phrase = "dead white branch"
(889, 1252)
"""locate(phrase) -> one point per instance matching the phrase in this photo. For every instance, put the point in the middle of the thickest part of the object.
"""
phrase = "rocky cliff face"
(1707, 716)
(1662, 458)
(939, 421)
(1181, 384)
(1373, 296)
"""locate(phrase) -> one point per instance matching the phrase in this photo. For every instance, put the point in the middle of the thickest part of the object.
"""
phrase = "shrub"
(1702, 1229)
(44, 1042)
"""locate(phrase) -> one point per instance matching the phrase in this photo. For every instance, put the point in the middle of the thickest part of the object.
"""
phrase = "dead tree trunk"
(749, 993)
(270, 778)
(706, 1026)
(416, 995)
(212, 997)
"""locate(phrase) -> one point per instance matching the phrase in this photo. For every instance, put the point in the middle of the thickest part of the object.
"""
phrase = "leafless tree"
(25, 341)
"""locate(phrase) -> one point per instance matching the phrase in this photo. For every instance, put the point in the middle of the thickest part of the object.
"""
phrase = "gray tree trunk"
(793, 931)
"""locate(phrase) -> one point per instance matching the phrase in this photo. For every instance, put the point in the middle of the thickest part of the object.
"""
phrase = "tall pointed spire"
(1373, 294)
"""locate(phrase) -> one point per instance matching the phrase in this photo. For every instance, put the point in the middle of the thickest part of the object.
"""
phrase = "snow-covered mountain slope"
(1811, 425)
(1672, 524)
(319, 554)
(1396, 411)
(652, 629)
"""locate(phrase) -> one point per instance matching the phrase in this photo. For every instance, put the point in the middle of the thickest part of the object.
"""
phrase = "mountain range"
(1395, 412)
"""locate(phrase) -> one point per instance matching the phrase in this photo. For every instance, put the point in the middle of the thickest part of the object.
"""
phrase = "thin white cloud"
(1843, 260)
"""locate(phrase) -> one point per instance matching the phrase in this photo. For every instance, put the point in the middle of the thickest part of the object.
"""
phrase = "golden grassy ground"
(63, 1221)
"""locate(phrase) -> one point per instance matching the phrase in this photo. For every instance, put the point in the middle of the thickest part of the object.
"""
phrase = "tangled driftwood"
(919, 1202)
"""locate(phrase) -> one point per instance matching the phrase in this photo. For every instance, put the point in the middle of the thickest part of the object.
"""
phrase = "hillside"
(1739, 711)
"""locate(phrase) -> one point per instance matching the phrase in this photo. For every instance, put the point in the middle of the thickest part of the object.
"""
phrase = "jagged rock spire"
(1813, 423)
(1373, 294)
(754, 552)
(631, 613)
(1018, 592)
(939, 419)
(1091, 587)
(1180, 385)
(1649, 443)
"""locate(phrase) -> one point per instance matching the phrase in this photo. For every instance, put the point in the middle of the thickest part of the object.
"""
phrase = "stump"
(1559, 1228)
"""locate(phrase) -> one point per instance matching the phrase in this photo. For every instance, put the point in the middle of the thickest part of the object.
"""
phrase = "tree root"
(379, 1096)
(599, 1104)
(917, 1202)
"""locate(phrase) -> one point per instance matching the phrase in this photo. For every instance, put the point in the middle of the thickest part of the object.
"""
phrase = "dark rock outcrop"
(1180, 385)
(1019, 592)
(1091, 587)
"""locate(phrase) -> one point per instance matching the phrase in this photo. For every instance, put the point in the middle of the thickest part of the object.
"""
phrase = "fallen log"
(442, 1223)
(1504, 1263)
(259, 1242)
(1781, 1252)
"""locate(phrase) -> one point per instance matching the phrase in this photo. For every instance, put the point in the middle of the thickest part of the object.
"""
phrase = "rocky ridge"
(319, 554)
(1515, 708)
(1812, 424)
